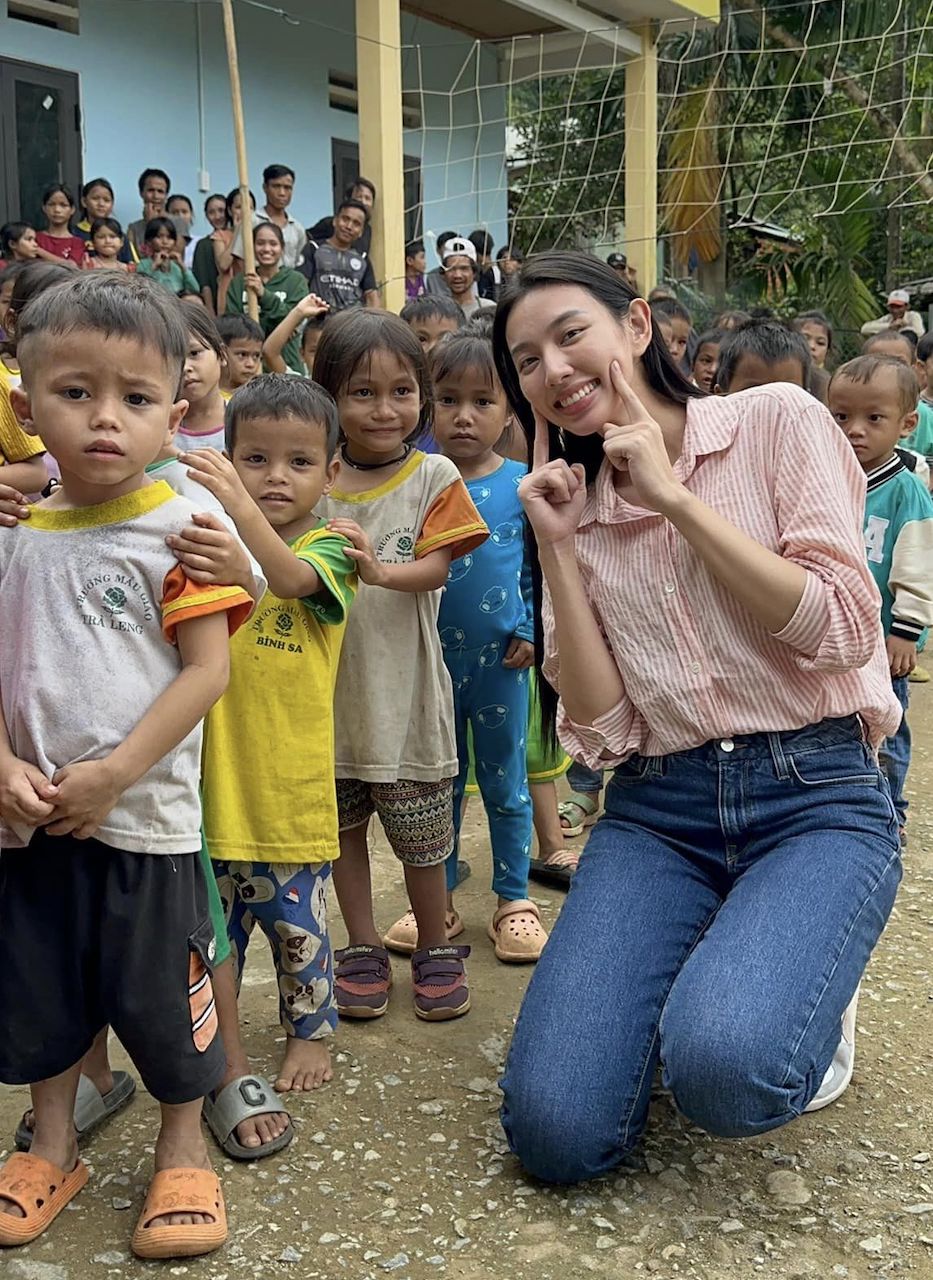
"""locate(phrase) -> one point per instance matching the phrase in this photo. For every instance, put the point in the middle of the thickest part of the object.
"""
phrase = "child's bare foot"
(306, 1066)
(258, 1130)
(181, 1151)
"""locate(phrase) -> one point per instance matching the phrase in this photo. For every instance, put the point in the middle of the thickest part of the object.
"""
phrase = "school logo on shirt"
(280, 628)
(116, 602)
(397, 547)
(114, 599)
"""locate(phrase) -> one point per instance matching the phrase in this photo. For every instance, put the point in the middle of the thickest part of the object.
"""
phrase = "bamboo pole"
(239, 134)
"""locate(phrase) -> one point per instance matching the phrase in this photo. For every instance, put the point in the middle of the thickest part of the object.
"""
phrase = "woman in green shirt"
(278, 288)
(164, 261)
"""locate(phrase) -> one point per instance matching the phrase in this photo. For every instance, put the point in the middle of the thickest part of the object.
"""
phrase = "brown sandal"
(518, 933)
(40, 1189)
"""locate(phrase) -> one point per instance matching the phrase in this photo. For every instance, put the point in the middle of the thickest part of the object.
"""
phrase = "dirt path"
(400, 1168)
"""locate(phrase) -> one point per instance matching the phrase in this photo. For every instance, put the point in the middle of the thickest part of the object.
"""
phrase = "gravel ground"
(400, 1169)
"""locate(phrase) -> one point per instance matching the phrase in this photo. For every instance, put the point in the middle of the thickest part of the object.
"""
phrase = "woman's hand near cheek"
(552, 493)
(638, 448)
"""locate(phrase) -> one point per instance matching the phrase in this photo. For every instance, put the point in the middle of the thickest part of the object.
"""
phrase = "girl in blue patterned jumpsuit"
(487, 634)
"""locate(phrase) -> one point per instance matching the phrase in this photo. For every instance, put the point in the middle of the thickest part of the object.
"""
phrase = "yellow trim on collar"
(401, 475)
(117, 511)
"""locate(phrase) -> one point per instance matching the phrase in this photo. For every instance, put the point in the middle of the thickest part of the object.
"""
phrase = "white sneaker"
(839, 1075)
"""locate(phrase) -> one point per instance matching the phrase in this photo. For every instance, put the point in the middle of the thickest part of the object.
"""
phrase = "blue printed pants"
(289, 905)
(895, 753)
(493, 701)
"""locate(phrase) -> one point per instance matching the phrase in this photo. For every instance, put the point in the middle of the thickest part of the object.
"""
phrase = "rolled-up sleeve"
(819, 504)
(612, 737)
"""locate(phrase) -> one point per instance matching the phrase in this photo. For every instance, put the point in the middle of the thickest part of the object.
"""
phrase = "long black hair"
(662, 374)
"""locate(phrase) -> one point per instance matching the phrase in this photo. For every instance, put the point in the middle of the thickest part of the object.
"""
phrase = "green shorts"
(216, 907)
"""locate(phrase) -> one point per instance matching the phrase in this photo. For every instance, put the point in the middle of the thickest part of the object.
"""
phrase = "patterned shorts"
(418, 817)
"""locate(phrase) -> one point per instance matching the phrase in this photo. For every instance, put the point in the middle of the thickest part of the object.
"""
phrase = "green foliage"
(821, 115)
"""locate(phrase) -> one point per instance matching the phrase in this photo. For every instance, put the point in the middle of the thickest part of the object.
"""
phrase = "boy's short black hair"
(863, 368)
(239, 328)
(111, 303)
(482, 242)
(360, 181)
(671, 308)
(481, 324)
(413, 247)
(346, 203)
(154, 173)
(770, 341)
(315, 323)
(907, 336)
(110, 224)
(465, 350)
(281, 396)
(442, 240)
(155, 225)
(925, 347)
(432, 306)
(273, 171)
(510, 251)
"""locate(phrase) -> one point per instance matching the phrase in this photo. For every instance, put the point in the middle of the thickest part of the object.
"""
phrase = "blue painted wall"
(148, 99)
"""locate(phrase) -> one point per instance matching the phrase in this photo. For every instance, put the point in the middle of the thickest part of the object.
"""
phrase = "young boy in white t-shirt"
(109, 658)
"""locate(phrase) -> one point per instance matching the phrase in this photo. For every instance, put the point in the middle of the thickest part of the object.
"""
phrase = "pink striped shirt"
(694, 663)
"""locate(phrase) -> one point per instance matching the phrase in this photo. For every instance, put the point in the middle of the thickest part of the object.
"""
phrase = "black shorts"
(91, 935)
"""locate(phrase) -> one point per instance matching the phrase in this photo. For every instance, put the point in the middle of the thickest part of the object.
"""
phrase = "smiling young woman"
(710, 623)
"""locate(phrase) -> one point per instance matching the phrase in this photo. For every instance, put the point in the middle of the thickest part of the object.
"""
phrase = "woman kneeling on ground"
(712, 626)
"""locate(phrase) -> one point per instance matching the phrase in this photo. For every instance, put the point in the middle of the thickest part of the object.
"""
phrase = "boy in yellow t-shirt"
(270, 813)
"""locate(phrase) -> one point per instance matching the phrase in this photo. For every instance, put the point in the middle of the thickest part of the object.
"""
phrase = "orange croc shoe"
(40, 1189)
(181, 1191)
(518, 933)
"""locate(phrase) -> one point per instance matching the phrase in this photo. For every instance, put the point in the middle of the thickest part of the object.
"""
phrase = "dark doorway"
(345, 159)
(40, 137)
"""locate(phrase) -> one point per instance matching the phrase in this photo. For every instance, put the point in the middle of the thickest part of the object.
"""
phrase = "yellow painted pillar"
(379, 88)
(641, 161)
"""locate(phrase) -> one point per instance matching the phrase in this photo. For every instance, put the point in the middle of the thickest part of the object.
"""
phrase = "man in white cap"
(897, 317)
(459, 267)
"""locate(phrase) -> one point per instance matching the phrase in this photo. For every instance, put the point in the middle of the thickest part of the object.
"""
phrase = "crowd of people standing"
(342, 563)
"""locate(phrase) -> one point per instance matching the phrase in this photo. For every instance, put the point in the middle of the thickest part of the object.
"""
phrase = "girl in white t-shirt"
(203, 425)
(407, 514)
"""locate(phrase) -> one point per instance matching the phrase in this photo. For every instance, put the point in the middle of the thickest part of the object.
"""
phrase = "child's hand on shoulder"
(520, 654)
(208, 552)
(902, 656)
(87, 791)
(26, 795)
(210, 468)
(13, 506)
(371, 570)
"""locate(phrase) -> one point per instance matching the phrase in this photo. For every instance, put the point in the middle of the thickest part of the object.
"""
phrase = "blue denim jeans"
(895, 753)
(720, 919)
(583, 780)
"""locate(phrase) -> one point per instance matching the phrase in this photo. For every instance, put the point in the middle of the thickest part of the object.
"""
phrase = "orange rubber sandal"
(181, 1191)
(41, 1190)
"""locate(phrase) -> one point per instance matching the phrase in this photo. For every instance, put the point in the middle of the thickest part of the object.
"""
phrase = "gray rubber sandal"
(92, 1108)
(240, 1100)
